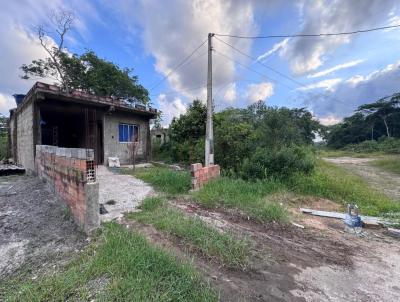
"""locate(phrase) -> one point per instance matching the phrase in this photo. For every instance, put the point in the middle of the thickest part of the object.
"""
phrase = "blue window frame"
(128, 133)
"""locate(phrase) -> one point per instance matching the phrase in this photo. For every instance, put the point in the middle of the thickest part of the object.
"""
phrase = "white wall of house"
(112, 145)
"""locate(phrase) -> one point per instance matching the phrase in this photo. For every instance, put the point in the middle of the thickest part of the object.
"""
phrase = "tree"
(240, 132)
(52, 66)
(383, 109)
(86, 72)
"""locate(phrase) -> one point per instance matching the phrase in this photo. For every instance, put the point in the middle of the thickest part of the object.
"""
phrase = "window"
(128, 133)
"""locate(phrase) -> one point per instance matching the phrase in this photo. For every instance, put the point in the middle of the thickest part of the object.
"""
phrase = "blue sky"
(336, 74)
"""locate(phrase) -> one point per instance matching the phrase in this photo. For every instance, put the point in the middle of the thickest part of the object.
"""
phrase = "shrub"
(384, 144)
(280, 164)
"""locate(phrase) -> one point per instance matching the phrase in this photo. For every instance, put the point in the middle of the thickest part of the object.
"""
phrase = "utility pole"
(209, 150)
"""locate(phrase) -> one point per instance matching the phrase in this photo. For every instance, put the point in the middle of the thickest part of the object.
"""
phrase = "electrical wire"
(178, 65)
(251, 69)
(276, 71)
(310, 35)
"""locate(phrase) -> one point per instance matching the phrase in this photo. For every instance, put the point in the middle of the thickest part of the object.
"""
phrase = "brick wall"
(67, 171)
(201, 175)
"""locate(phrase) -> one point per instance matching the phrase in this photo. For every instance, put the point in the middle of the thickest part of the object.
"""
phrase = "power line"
(276, 71)
(178, 65)
(310, 35)
(251, 69)
(262, 64)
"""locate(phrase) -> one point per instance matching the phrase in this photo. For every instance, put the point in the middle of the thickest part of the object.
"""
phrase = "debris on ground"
(298, 225)
(113, 162)
(337, 215)
(394, 232)
(11, 169)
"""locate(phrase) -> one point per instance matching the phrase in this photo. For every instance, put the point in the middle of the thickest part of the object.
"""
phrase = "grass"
(133, 270)
(164, 179)
(226, 247)
(335, 183)
(328, 181)
(254, 198)
(391, 164)
(249, 197)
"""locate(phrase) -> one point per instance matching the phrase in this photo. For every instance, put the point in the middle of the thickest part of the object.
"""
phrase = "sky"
(330, 76)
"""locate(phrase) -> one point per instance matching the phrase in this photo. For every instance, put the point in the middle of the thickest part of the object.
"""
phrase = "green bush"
(384, 144)
(280, 164)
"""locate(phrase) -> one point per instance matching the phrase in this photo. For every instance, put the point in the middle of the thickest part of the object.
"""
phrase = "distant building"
(160, 135)
(49, 116)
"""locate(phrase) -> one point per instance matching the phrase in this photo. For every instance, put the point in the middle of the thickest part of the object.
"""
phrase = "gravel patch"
(120, 193)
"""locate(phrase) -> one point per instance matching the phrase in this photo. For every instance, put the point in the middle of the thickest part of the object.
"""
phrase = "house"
(49, 116)
(160, 135)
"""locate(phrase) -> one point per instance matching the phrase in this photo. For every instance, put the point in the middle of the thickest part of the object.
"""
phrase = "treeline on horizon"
(371, 123)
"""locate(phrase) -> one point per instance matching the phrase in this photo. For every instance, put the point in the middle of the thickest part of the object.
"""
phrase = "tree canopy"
(86, 72)
(240, 133)
(369, 122)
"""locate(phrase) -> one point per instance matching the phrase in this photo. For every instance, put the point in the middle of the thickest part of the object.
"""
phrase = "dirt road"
(379, 179)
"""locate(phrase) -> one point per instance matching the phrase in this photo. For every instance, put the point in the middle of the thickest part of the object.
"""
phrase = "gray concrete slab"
(120, 193)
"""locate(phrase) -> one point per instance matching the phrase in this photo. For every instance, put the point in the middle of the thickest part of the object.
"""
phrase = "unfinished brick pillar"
(201, 175)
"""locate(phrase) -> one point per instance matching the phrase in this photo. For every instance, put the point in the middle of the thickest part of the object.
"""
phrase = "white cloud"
(230, 93)
(261, 91)
(335, 68)
(170, 108)
(328, 85)
(326, 16)
(183, 26)
(358, 90)
(6, 103)
(172, 29)
(19, 44)
(276, 47)
(329, 120)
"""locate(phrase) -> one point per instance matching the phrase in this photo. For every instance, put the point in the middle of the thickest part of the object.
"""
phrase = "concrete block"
(79, 153)
(90, 154)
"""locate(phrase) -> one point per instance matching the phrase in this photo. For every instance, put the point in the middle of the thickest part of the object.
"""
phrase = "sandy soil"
(120, 193)
(35, 228)
(382, 180)
(318, 263)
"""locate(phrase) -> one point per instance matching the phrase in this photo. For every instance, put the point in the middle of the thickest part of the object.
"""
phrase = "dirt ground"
(318, 263)
(35, 228)
(388, 182)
